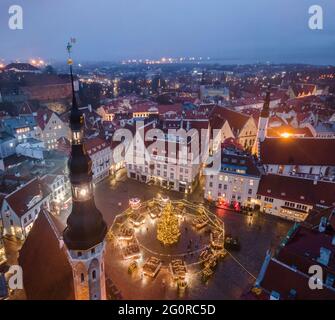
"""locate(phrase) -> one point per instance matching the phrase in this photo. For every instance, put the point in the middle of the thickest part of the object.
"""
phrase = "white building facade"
(236, 182)
(21, 208)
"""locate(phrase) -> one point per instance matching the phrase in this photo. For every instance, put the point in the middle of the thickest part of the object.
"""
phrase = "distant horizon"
(212, 61)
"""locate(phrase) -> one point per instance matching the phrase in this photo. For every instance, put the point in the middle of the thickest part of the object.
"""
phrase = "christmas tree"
(168, 228)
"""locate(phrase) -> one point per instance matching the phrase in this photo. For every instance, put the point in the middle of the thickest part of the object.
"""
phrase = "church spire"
(265, 113)
(85, 225)
(263, 123)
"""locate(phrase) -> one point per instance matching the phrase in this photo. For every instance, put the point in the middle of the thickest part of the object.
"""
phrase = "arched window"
(94, 274)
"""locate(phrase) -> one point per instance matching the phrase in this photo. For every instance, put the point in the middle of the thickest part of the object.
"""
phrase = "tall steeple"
(85, 233)
(265, 113)
(263, 123)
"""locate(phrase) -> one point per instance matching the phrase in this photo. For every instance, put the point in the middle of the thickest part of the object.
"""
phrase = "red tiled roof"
(282, 279)
(315, 216)
(162, 108)
(235, 119)
(95, 145)
(303, 249)
(297, 190)
(19, 199)
(43, 116)
(298, 151)
(46, 269)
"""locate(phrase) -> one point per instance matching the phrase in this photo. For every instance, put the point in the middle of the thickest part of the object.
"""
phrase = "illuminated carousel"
(178, 238)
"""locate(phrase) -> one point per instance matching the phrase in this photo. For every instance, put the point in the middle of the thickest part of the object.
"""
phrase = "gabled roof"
(297, 190)
(43, 116)
(47, 271)
(235, 119)
(303, 89)
(19, 199)
(282, 279)
(298, 151)
(95, 145)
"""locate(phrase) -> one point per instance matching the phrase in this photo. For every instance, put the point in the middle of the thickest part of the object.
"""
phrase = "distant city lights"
(165, 60)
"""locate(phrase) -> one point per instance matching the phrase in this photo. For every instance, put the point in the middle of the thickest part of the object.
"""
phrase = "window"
(25, 220)
(225, 187)
(79, 254)
(94, 274)
(220, 185)
(250, 191)
(251, 182)
(82, 278)
(211, 184)
(93, 251)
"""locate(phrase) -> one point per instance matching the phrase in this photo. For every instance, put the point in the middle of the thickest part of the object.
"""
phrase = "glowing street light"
(285, 135)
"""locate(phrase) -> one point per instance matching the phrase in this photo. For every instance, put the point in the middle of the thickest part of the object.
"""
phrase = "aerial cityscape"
(151, 162)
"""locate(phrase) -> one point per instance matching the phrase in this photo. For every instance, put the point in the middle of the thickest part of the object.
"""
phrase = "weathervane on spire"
(69, 50)
(70, 63)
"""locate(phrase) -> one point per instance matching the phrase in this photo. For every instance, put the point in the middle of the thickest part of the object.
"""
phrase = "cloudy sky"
(231, 30)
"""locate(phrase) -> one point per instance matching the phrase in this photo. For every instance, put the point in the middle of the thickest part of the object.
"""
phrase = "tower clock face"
(82, 192)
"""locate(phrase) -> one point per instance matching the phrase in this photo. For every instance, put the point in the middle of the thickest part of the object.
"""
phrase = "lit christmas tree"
(168, 228)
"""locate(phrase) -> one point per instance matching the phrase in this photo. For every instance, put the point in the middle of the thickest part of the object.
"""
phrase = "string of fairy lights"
(212, 219)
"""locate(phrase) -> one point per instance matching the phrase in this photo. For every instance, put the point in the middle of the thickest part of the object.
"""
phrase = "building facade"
(236, 182)
(293, 198)
(100, 153)
(21, 208)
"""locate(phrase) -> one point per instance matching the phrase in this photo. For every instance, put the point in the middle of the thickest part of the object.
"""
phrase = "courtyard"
(232, 275)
